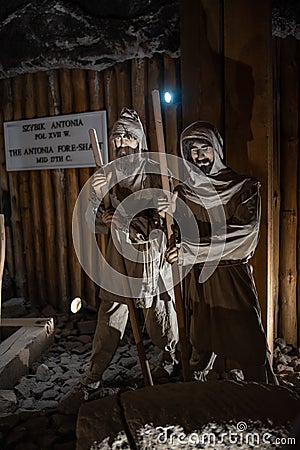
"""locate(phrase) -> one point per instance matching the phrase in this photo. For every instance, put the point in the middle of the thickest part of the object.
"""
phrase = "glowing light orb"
(168, 97)
(76, 305)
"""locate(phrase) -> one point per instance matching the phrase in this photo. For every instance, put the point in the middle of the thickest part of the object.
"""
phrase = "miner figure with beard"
(225, 327)
(131, 173)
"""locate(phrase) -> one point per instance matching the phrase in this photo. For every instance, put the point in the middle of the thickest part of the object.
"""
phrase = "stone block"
(193, 404)
(8, 401)
(100, 421)
(183, 406)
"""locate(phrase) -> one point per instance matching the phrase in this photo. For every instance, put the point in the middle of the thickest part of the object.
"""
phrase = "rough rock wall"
(52, 34)
(286, 18)
(95, 34)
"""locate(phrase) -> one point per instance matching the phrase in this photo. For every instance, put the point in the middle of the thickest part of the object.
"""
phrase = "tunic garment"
(225, 315)
(145, 235)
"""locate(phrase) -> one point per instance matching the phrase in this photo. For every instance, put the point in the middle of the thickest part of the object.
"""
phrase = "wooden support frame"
(289, 145)
(249, 127)
(201, 61)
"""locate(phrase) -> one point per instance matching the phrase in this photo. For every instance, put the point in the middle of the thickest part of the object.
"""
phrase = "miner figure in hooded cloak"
(225, 325)
(131, 174)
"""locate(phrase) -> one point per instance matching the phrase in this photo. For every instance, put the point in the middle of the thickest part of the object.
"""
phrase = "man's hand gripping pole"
(131, 307)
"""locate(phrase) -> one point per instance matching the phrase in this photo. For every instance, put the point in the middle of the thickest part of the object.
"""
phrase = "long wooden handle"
(135, 326)
(183, 339)
(95, 147)
(139, 343)
(162, 155)
(131, 307)
(98, 159)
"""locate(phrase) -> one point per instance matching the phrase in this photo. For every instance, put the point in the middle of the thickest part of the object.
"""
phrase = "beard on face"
(125, 165)
(206, 169)
(205, 165)
(188, 145)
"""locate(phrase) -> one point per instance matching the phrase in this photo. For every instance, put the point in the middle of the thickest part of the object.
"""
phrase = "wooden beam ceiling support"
(201, 61)
(249, 125)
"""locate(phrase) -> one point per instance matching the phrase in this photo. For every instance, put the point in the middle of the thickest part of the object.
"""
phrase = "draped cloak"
(223, 307)
(146, 271)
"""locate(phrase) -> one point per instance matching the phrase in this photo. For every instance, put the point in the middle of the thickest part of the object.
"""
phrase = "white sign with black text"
(54, 142)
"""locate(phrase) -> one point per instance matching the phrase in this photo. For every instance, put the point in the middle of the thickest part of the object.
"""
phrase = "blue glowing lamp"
(168, 97)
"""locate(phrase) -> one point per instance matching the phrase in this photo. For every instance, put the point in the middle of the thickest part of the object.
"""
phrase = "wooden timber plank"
(6, 99)
(48, 209)
(122, 71)
(154, 82)
(96, 97)
(298, 206)
(274, 205)
(21, 349)
(171, 112)
(59, 191)
(110, 103)
(81, 104)
(249, 116)
(139, 88)
(12, 111)
(4, 191)
(71, 188)
(289, 107)
(25, 321)
(27, 98)
(201, 61)
(35, 244)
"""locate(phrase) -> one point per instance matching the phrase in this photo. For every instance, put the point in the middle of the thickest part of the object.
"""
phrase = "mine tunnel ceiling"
(95, 34)
(96, 8)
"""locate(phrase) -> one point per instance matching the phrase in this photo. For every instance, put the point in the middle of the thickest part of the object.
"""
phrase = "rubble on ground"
(48, 395)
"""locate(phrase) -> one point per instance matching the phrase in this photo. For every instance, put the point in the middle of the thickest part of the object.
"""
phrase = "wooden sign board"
(54, 142)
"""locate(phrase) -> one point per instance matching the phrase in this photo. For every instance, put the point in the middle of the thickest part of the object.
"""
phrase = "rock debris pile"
(286, 362)
(57, 373)
(37, 413)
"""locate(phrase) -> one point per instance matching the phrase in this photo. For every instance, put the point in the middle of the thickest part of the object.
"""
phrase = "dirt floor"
(40, 411)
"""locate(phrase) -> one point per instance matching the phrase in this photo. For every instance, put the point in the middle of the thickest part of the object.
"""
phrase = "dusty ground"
(38, 413)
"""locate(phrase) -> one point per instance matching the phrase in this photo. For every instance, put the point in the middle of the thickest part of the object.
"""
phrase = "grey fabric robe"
(223, 310)
(156, 276)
